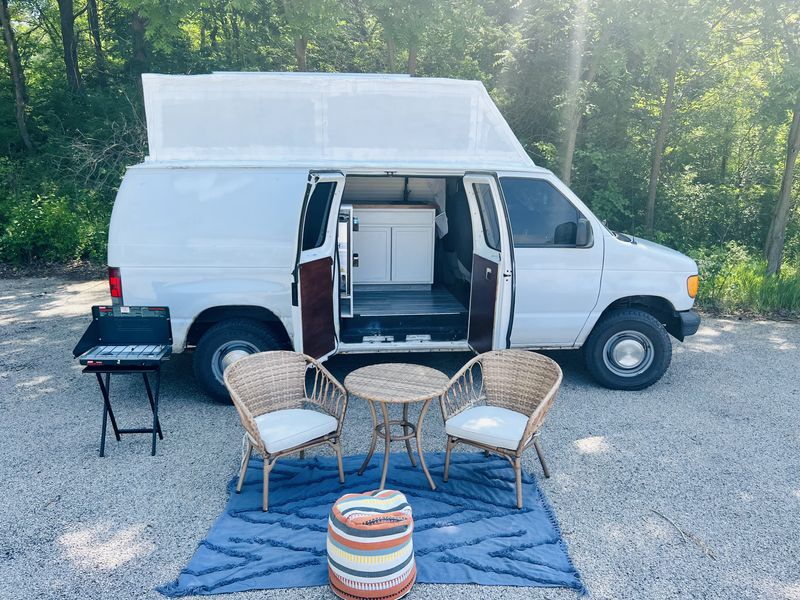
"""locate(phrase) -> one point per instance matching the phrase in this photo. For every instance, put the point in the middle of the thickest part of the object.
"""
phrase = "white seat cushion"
(490, 425)
(292, 427)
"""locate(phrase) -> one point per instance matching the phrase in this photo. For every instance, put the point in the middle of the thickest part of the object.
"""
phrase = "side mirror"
(583, 236)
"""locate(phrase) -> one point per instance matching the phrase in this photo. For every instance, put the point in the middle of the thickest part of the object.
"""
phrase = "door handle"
(488, 273)
(355, 259)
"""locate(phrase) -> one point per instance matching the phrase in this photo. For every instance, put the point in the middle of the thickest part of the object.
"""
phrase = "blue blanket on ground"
(466, 531)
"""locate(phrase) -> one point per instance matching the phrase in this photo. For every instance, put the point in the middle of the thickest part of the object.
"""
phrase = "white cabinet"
(373, 245)
(394, 245)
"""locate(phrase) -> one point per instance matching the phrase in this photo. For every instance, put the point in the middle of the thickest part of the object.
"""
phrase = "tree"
(782, 23)
(70, 44)
(306, 19)
(93, 16)
(17, 75)
(691, 28)
(139, 26)
(675, 52)
(588, 43)
(405, 23)
(776, 235)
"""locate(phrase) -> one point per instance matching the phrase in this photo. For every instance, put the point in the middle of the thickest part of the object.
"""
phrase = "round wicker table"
(396, 383)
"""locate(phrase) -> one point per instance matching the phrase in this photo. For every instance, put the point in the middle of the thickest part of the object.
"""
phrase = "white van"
(374, 213)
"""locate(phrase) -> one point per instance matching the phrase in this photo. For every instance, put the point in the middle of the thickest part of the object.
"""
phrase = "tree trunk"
(236, 38)
(139, 25)
(572, 99)
(574, 119)
(300, 50)
(661, 138)
(412, 60)
(391, 53)
(70, 44)
(783, 208)
(93, 16)
(17, 75)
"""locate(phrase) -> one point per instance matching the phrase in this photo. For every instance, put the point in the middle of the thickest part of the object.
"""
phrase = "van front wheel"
(226, 342)
(628, 350)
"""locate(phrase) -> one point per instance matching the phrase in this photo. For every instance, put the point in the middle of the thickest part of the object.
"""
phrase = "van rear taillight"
(115, 285)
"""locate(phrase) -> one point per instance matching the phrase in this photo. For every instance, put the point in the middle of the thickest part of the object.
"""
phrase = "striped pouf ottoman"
(370, 551)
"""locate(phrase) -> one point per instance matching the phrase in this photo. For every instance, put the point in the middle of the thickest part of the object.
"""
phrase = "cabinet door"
(412, 254)
(372, 244)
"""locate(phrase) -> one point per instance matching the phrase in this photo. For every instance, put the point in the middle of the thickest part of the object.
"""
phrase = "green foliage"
(738, 75)
(732, 279)
(53, 229)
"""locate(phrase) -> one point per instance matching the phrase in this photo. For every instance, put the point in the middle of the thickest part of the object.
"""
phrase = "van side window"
(491, 228)
(317, 211)
(540, 215)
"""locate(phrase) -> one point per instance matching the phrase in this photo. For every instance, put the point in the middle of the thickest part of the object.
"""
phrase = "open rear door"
(315, 282)
(491, 265)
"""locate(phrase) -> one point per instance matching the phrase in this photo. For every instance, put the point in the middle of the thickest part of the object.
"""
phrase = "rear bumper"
(683, 324)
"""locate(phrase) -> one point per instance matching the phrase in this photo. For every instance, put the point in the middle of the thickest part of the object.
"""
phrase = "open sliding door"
(490, 287)
(315, 280)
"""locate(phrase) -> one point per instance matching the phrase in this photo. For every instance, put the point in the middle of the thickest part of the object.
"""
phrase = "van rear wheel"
(628, 349)
(226, 342)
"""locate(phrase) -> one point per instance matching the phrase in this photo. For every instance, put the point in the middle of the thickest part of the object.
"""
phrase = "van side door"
(491, 278)
(315, 278)
(558, 256)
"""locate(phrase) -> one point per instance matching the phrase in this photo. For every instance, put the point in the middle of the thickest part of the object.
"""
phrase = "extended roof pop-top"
(319, 120)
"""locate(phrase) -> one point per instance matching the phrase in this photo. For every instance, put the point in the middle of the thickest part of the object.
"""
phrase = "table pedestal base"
(411, 431)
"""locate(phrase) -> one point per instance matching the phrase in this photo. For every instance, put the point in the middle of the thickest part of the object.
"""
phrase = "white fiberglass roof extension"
(327, 120)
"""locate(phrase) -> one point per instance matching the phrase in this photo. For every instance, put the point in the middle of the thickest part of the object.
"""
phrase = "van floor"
(378, 303)
(400, 313)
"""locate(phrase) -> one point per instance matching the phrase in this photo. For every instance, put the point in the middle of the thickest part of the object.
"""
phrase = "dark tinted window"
(491, 228)
(540, 215)
(317, 211)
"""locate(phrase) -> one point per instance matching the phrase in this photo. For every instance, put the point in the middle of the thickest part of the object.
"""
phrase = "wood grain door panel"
(483, 298)
(316, 307)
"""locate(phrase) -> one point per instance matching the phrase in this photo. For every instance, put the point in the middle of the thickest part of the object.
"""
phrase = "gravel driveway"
(690, 489)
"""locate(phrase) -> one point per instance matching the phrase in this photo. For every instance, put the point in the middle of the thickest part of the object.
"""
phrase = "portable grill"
(127, 340)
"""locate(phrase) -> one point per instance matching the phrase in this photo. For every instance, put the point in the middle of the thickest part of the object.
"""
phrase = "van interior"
(405, 247)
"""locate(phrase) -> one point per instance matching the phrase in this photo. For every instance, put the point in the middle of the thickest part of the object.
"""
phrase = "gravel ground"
(690, 489)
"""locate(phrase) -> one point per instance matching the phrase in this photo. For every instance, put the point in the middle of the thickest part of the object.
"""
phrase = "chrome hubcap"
(229, 353)
(628, 353)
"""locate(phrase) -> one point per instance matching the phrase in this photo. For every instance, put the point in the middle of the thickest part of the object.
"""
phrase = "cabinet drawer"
(395, 216)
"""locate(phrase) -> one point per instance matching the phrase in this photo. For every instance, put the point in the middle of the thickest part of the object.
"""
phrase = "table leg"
(152, 402)
(106, 391)
(419, 442)
(405, 432)
(387, 430)
(374, 437)
(105, 420)
(107, 412)
(153, 398)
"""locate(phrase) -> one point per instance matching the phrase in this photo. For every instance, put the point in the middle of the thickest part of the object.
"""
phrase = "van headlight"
(692, 283)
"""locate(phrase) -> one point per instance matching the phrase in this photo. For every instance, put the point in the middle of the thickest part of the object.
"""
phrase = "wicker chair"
(270, 391)
(497, 402)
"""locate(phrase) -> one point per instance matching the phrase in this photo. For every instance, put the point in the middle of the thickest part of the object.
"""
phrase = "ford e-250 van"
(373, 213)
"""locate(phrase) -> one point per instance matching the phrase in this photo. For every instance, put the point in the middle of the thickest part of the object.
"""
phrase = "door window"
(491, 228)
(317, 211)
(540, 215)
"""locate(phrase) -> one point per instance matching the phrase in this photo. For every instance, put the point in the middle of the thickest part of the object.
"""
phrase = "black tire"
(242, 334)
(606, 357)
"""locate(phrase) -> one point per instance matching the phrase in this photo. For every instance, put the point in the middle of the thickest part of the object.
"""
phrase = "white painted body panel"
(197, 238)
(193, 237)
(556, 288)
(642, 268)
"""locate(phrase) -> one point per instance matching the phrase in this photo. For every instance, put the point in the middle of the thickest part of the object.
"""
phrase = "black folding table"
(125, 340)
